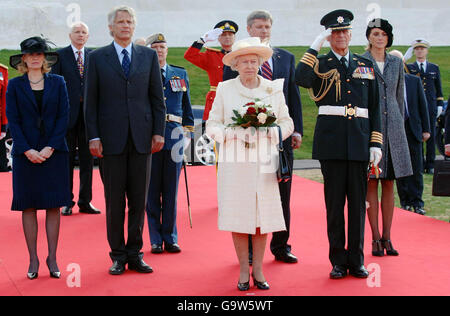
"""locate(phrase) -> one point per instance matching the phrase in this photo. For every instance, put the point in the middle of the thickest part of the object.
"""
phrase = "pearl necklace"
(36, 81)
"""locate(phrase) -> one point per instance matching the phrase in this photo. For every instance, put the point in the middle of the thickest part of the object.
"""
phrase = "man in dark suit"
(417, 127)
(447, 129)
(431, 79)
(125, 122)
(347, 136)
(72, 66)
(280, 66)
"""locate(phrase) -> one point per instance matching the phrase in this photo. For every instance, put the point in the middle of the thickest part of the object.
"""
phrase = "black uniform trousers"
(125, 177)
(345, 180)
(77, 143)
(279, 245)
(430, 156)
(410, 189)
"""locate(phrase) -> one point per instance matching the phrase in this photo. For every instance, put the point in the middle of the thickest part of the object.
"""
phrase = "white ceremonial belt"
(174, 118)
(343, 111)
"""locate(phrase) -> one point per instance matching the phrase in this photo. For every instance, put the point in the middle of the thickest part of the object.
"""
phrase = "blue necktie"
(126, 63)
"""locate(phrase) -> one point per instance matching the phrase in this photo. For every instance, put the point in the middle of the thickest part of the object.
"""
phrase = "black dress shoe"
(139, 266)
(359, 272)
(419, 211)
(157, 249)
(66, 211)
(117, 268)
(338, 272)
(244, 286)
(172, 248)
(89, 209)
(287, 257)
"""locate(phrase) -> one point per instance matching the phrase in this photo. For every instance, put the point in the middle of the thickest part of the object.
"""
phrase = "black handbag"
(284, 172)
(441, 178)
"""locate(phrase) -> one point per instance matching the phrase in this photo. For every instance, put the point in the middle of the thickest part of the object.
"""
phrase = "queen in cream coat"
(248, 193)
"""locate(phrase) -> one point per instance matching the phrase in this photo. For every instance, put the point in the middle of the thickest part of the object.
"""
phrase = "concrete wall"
(296, 21)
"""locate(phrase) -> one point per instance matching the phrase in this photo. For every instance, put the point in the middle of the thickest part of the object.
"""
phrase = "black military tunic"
(342, 143)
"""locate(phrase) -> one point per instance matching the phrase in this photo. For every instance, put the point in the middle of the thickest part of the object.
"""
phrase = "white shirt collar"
(164, 68)
(75, 51)
(424, 65)
(347, 57)
(119, 50)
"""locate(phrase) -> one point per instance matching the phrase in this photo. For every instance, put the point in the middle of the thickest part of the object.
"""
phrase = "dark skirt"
(41, 186)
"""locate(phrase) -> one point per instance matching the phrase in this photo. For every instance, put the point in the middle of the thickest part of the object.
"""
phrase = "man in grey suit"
(125, 123)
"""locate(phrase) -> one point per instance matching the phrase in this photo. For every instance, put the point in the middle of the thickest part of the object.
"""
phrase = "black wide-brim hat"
(227, 26)
(34, 45)
(382, 25)
(338, 20)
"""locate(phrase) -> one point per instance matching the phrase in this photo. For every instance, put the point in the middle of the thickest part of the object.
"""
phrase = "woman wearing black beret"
(37, 109)
(396, 162)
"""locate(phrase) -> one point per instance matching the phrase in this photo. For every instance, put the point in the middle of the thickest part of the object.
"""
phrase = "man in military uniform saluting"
(347, 136)
(211, 59)
(431, 80)
(3, 120)
(166, 164)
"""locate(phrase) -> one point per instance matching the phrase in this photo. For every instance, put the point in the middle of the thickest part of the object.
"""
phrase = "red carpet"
(208, 265)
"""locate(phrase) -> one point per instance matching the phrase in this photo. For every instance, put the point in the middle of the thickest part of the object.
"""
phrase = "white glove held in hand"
(318, 42)
(212, 35)
(375, 155)
(408, 54)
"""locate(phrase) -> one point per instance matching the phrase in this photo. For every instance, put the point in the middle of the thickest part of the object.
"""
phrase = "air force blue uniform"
(166, 164)
(431, 80)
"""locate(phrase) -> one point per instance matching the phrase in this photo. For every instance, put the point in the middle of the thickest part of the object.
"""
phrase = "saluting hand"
(157, 143)
(34, 156)
(96, 148)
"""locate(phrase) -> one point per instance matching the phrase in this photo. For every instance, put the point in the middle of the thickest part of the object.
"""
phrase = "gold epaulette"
(309, 59)
(213, 49)
(190, 129)
(376, 137)
(3, 66)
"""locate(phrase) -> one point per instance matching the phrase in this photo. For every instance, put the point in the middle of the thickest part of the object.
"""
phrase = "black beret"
(382, 25)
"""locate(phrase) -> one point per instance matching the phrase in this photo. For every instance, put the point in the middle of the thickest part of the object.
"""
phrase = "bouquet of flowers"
(254, 114)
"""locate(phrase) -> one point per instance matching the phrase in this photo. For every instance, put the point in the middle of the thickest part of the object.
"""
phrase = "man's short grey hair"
(234, 63)
(78, 24)
(123, 8)
(261, 15)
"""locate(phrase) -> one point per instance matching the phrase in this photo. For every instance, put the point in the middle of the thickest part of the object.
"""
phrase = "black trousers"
(77, 143)
(345, 180)
(279, 243)
(410, 189)
(430, 145)
(126, 178)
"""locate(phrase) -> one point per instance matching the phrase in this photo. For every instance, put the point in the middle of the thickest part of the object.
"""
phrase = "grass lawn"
(200, 84)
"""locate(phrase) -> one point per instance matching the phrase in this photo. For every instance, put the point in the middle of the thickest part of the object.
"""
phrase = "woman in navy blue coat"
(37, 109)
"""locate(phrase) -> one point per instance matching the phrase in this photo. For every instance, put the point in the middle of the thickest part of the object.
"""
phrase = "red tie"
(266, 71)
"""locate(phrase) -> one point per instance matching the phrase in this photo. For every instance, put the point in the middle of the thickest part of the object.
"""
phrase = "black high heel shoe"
(379, 252)
(244, 286)
(390, 251)
(53, 274)
(260, 285)
(33, 275)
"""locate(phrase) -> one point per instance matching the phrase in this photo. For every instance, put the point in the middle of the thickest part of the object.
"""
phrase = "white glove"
(375, 155)
(212, 35)
(2, 135)
(439, 109)
(318, 42)
(409, 53)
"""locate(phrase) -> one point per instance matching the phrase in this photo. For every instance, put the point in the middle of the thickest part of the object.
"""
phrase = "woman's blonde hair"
(23, 68)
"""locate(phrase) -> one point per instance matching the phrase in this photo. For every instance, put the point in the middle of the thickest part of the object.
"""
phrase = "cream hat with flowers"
(248, 46)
